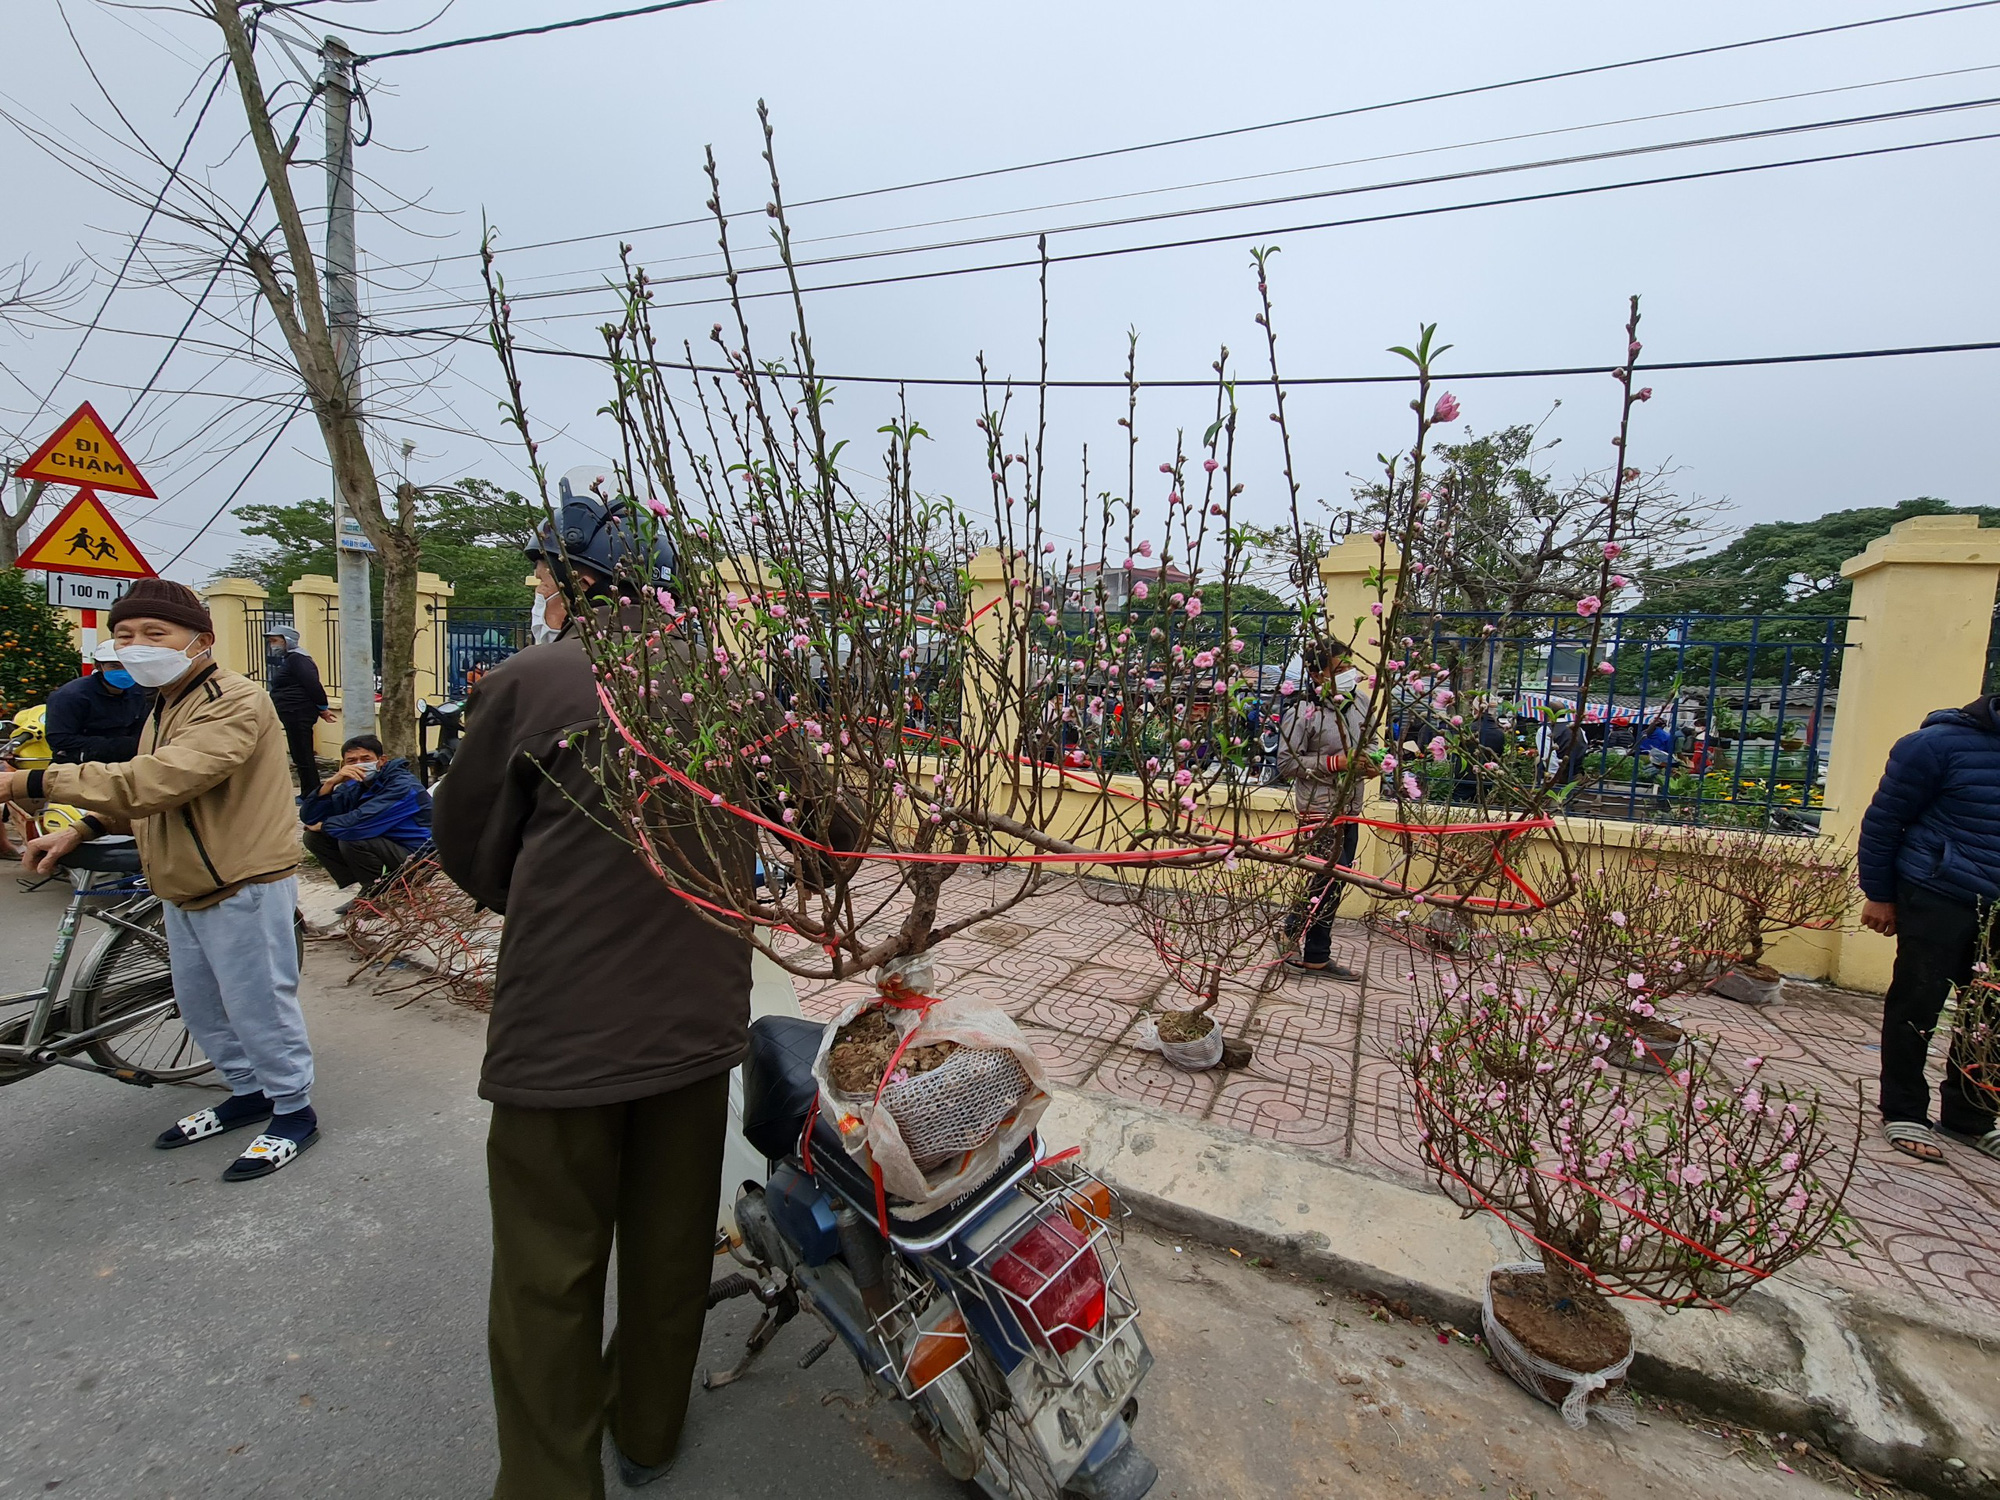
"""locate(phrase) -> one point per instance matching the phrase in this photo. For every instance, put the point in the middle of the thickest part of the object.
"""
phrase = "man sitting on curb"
(368, 817)
(1930, 870)
(209, 799)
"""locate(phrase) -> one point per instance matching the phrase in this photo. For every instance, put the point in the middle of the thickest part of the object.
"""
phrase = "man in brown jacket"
(209, 800)
(617, 1014)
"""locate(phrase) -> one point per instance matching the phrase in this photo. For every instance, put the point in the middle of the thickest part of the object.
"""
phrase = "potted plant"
(1774, 883)
(1685, 1189)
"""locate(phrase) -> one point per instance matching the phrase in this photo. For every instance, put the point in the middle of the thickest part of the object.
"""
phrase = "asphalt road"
(321, 1333)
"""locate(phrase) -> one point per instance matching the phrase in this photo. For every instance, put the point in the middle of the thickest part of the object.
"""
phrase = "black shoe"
(635, 1475)
(1327, 970)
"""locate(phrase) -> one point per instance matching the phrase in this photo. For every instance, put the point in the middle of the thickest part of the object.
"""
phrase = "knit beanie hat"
(163, 599)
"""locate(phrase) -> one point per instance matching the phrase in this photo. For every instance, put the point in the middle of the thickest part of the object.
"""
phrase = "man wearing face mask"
(97, 717)
(1320, 741)
(209, 799)
(550, 611)
(368, 817)
(299, 697)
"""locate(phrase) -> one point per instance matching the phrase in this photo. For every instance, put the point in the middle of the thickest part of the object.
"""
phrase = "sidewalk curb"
(1889, 1384)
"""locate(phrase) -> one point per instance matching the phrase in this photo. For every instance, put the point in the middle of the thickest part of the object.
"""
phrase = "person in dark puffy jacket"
(1930, 873)
(368, 817)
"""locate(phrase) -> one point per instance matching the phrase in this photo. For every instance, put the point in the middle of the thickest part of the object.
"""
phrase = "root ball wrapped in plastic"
(928, 1092)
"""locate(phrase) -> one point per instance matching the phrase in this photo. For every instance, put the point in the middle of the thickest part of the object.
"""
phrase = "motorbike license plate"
(1073, 1417)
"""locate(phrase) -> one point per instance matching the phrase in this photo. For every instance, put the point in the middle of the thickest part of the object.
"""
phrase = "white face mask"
(366, 767)
(157, 666)
(538, 621)
(1348, 681)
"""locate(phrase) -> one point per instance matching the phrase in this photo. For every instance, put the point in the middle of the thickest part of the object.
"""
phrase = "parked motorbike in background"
(448, 719)
(1003, 1321)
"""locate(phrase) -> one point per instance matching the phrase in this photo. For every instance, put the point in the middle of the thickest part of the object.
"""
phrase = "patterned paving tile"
(1076, 972)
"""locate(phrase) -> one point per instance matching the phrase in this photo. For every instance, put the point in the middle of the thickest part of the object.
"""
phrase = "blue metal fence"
(476, 639)
(1722, 719)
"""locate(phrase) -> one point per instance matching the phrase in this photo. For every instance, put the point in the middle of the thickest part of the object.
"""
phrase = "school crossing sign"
(84, 539)
(83, 452)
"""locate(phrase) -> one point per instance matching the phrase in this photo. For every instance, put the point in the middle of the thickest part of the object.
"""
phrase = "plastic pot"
(1750, 984)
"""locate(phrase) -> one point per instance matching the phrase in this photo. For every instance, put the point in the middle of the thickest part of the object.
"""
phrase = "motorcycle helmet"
(596, 536)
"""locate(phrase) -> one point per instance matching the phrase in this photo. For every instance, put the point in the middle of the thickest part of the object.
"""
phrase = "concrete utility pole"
(343, 308)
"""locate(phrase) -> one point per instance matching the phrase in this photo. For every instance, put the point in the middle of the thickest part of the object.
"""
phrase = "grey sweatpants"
(236, 976)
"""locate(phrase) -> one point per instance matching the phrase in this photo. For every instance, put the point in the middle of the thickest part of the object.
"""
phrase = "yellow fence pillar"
(995, 679)
(230, 602)
(428, 650)
(316, 615)
(1923, 608)
(1346, 574)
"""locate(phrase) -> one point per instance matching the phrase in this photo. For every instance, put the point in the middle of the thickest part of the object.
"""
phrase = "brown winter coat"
(209, 795)
(610, 986)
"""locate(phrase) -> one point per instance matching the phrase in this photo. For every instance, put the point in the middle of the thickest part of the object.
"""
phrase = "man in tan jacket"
(209, 800)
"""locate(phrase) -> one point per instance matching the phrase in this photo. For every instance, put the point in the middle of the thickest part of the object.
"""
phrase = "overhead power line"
(1466, 174)
(1469, 91)
(1196, 241)
(1208, 382)
(503, 36)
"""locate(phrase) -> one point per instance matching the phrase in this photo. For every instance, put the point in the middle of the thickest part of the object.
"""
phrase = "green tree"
(1788, 574)
(37, 655)
(471, 535)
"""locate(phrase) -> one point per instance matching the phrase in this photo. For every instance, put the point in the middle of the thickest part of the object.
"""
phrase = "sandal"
(266, 1155)
(1987, 1144)
(202, 1124)
(1916, 1140)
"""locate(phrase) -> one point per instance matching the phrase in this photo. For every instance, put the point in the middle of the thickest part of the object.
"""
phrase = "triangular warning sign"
(83, 451)
(84, 539)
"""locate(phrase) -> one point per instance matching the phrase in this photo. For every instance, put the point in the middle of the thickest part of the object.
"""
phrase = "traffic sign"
(84, 539)
(83, 452)
(75, 591)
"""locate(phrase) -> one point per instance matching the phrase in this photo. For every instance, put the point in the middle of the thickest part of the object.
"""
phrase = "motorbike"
(1003, 1321)
(24, 746)
(448, 719)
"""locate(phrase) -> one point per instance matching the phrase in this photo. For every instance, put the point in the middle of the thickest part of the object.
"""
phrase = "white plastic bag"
(938, 1134)
(1534, 1374)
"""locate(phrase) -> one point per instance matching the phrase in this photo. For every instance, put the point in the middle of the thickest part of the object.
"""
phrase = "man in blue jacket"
(368, 817)
(1930, 873)
(97, 717)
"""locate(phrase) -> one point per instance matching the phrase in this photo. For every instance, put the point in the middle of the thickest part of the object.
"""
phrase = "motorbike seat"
(111, 856)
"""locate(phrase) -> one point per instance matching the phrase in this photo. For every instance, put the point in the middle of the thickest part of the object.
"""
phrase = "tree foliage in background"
(37, 655)
(1522, 544)
(471, 535)
(1789, 573)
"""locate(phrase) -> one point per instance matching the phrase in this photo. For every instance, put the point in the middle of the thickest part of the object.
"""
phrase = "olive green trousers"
(564, 1183)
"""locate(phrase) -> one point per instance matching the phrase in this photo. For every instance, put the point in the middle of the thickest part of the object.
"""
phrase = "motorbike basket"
(1055, 1286)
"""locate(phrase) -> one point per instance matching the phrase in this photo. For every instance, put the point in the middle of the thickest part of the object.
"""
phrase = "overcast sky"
(600, 131)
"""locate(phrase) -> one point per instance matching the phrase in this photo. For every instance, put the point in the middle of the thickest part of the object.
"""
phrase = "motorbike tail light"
(1088, 1204)
(1055, 1280)
(938, 1349)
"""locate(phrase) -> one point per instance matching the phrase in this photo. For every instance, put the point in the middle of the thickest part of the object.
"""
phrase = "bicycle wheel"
(128, 972)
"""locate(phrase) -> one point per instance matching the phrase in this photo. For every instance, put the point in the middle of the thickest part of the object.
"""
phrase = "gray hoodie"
(1310, 732)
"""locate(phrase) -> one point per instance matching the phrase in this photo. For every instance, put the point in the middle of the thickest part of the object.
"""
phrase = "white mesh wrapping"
(958, 1105)
(1535, 1374)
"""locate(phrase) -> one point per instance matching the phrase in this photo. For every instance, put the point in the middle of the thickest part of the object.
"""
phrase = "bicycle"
(119, 1018)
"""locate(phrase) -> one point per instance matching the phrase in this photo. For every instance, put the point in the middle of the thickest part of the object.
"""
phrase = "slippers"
(1915, 1140)
(1987, 1144)
(267, 1154)
(200, 1125)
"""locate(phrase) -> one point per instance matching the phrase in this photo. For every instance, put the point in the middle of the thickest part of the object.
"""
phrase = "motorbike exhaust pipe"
(864, 1250)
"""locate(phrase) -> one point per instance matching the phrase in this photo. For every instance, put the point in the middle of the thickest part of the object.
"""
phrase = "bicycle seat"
(106, 856)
